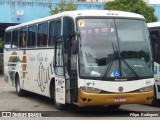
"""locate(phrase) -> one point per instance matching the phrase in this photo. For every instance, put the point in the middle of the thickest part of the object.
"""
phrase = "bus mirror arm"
(73, 34)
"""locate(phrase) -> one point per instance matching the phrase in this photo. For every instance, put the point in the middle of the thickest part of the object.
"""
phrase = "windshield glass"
(114, 48)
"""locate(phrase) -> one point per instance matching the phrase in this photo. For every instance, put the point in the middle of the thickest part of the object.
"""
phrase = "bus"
(83, 57)
(154, 30)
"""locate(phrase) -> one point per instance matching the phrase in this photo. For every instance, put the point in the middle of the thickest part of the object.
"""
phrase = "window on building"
(14, 39)
(32, 30)
(42, 35)
(23, 37)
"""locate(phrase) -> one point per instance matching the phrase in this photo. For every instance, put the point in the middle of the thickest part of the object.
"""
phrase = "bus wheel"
(53, 97)
(113, 107)
(155, 101)
(19, 91)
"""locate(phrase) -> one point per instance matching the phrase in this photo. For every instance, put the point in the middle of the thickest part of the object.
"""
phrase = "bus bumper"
(93, 99)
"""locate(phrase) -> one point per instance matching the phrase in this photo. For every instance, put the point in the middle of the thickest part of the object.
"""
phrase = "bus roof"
(79, 13)
(153, 24)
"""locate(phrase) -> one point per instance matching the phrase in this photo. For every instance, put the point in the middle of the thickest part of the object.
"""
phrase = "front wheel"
(19, 91)
(155, 101)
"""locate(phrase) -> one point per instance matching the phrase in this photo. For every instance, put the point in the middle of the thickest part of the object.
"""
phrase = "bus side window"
(23, 37)
(54, 31)
(14, 39)
(57, 28)
(7, 39)
(68, 26)
(51, 33)
(32, 36)
(155, 37)
(42, 35)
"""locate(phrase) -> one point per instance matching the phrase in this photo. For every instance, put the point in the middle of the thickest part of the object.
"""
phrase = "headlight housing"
(90, 89)
(146, 89)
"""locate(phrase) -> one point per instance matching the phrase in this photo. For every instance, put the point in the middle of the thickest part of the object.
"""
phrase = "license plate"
(120, 100)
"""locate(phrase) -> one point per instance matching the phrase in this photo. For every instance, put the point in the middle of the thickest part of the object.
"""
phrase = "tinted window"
(155, 37)
(8, 39)
(42, 34)
(54, 31)
(22, 37)
(32, 36)
(68, 26)
(14, 39)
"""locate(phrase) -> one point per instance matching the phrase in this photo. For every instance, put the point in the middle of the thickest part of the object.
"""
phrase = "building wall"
(147, 1)
(157, 10)
(34, 9)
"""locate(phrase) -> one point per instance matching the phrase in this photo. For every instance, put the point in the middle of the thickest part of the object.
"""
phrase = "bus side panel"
(157, 78)
(35, 69)
(39, 71)
(12, 64)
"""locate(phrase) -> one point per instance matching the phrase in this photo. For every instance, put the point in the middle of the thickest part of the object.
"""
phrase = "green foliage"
(62, 6)
(1, 43)
(1, 64)
(135, 6)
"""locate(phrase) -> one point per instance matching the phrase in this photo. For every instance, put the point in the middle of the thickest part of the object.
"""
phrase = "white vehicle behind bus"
(86, 58)
(154, 29)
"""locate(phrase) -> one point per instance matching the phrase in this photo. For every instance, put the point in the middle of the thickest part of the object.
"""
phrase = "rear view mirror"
(154, 38)
(74, 46)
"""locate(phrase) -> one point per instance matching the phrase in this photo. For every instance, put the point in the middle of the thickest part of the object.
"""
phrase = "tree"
(135, 6)
(62, 6)
(1, 43)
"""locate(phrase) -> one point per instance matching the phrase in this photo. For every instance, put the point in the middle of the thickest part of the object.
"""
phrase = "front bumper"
(93, 99)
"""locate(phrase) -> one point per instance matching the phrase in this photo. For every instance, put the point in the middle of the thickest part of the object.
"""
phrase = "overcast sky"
(154, 1)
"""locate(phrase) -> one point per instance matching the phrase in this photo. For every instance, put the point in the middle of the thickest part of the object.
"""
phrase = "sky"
(154, 1)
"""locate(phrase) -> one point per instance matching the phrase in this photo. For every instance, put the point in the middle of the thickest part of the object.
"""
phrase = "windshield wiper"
(116, 56)
(133, 71)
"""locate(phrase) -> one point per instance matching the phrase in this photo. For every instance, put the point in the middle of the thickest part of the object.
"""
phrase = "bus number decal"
(120, 100)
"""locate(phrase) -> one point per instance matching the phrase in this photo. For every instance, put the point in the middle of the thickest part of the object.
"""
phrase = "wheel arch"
(52, 84)
(16, 74)
(156, 90)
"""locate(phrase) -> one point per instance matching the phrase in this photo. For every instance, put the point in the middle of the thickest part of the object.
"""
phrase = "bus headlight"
(146, 89)
(90, 89)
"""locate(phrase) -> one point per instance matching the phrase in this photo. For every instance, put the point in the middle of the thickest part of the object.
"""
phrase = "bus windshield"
(114, 48)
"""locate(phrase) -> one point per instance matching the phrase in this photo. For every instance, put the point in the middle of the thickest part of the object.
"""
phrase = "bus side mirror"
(74, 47)
(74, 43)
(59, 39)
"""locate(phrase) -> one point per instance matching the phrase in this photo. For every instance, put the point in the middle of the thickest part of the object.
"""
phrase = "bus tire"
(113, 107)
(19, 91)
(155, 101)
(53, 97)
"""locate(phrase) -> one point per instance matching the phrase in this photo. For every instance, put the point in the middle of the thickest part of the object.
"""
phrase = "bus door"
(60, 91)
(70, 48)
(155, 41)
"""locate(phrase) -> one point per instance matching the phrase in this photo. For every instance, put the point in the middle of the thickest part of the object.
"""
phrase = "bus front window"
(114, 48)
